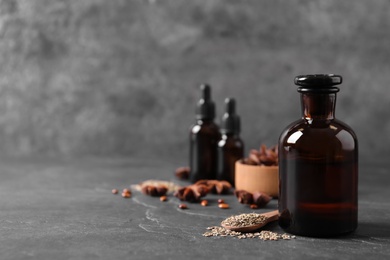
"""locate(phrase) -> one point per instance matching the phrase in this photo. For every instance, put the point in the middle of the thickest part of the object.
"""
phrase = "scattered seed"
(204, 203)
(183, 206)
(163, 198)
(223, 206)
(263, 235)
(126, 191)
(115, 191)
(126, 195)
(220, 201)
(254, 206)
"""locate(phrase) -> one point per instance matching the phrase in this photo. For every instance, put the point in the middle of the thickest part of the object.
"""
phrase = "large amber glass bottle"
(318, 164)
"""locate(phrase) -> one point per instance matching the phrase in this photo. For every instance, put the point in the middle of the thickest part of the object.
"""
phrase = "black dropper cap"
(230, 120)
(318, 83)
(205, 109)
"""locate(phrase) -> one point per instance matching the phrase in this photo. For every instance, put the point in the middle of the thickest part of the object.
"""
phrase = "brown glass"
(230, 149)
(203, 150)
(318, 171)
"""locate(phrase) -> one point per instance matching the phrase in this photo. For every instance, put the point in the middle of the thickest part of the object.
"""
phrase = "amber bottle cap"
(205, 108)
(230, 121)
(319, 83)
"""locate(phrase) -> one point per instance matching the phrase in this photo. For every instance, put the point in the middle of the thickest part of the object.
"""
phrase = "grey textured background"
(120, 77)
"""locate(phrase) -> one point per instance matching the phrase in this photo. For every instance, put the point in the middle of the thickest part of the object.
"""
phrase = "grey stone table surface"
(64, 209)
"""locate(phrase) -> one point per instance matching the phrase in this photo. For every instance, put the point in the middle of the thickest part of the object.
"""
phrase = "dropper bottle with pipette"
(204, 135)
(230, 146)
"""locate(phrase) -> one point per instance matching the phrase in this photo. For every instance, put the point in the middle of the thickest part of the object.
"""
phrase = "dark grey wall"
(121, 76)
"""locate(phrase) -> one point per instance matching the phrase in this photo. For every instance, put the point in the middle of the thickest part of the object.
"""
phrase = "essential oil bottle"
(204, 135)
(318, 164)
(230, 146)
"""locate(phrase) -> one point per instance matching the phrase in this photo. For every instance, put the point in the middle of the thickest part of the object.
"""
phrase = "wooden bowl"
(254, 178)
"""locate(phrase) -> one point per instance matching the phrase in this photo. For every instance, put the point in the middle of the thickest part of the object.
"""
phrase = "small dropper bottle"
(230, 146)
(204, 135)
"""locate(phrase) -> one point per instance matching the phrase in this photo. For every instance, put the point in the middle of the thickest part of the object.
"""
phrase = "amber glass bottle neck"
(319, 106)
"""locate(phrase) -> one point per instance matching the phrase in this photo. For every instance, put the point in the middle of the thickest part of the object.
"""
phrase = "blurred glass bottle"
(204, 136)
(318, 164)
(230, 146)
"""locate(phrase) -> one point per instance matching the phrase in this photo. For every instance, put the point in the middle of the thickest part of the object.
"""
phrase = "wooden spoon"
(270, 217)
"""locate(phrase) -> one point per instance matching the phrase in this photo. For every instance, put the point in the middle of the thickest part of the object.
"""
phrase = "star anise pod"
(154, 190)
(268, 157)
(216, 186)
(254, 156)
(192, 193)
(244, 197)
(261, 199)
(182, 173)
(263, 156)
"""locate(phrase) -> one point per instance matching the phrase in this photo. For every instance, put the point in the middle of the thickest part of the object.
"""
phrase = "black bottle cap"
(230, 120)
(205, 109)
(318, 83)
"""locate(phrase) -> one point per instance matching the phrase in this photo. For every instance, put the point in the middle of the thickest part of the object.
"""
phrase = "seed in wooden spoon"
(249, 222)
(244, 220)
